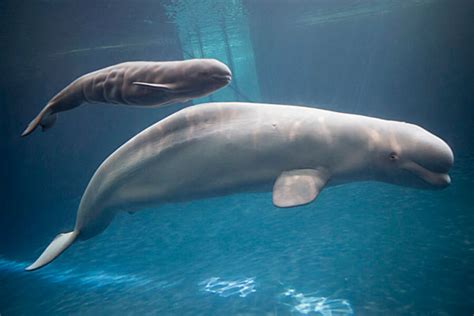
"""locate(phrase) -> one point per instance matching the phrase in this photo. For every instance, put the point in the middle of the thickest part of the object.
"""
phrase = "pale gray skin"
(138, 83)
(221, 148)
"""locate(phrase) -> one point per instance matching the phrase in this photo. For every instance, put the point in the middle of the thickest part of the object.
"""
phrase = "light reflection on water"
(315, 305)
(296, 302)
(421, 235)
(92, 279)
(228, 288)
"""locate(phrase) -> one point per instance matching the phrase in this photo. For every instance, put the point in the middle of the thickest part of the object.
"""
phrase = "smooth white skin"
(221, 148)
(184, 80)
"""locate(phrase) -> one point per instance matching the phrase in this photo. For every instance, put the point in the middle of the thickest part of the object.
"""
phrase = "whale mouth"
(222, 78)
(435, 179)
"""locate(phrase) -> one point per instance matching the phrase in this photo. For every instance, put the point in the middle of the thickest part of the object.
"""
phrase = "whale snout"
(222, 74)
(440, 180)
(222, 78)
(435, 155)
(446, 160)
(445, 181)
(443, 165)
(432, 162)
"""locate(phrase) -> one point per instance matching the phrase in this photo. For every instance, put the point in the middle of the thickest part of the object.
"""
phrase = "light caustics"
(315, 305)
(225, 288)
(304, 304)
(98, 279)
(297, 302)
(116, 46)
(92, 279)
(356, 10)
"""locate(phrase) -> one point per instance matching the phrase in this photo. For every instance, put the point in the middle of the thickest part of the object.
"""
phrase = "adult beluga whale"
(137, 83)
(220, 148)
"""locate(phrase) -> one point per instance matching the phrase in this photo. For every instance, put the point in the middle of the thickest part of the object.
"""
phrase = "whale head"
(200, 77)
(411, 156)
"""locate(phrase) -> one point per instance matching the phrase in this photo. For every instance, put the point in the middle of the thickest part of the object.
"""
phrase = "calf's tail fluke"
(45, 119)
(55, 248)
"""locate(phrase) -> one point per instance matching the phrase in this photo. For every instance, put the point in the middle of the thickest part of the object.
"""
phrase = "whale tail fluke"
(55, 248)
(45, 119)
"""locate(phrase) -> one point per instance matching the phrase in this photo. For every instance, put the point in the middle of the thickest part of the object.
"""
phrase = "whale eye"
(393, 156)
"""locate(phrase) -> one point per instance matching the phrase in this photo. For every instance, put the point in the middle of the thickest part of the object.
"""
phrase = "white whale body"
(220, 148)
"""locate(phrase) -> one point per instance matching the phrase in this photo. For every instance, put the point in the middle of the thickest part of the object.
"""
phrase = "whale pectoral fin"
(298, 187)
(157, 86)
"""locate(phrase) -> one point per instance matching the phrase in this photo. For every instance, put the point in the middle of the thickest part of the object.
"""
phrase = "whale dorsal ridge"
(298, 187)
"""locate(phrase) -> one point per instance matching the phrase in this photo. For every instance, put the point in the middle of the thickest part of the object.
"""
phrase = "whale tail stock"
(55, 248)
(45, 119)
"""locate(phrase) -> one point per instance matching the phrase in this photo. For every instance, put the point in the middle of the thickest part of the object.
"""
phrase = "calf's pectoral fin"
(156, 86)
(298, 187)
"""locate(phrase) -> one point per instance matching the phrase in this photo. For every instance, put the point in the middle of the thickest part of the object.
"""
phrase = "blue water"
(360, 249)
(364, 248)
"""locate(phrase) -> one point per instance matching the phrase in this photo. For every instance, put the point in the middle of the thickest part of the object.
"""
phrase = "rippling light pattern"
(228, 288)
(93, 279)
(298, 302)
(314, 305)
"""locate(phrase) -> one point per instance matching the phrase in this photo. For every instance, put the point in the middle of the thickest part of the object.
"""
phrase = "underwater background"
(360, 249)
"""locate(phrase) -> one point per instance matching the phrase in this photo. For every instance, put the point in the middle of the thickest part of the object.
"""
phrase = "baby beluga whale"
(221, 148)
(137, 83)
